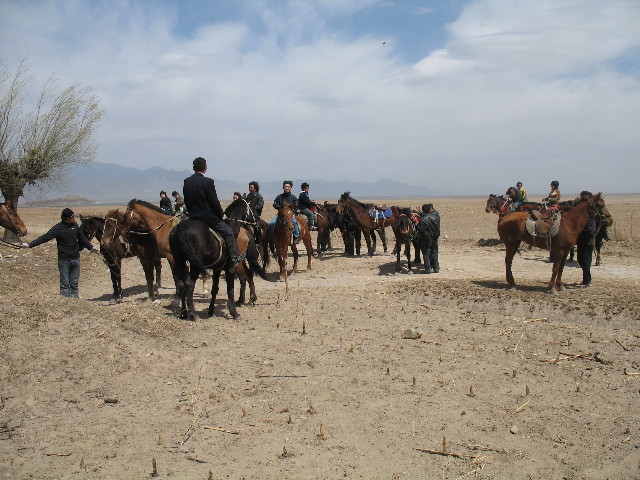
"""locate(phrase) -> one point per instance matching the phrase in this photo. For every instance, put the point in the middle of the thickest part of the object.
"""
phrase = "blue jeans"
(309, 214)
(69, 276)
(296, 228)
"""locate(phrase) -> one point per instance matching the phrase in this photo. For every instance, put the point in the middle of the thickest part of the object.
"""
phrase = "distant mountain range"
(112, 183)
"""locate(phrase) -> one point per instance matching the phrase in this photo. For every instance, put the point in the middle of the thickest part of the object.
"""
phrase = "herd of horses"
(149, 233)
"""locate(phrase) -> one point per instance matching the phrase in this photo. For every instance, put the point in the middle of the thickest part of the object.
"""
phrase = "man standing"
(255, 198)
(306, 204)
(585, 243)
(165, 203)
(429, 229)
(202, 203)
(70, 241)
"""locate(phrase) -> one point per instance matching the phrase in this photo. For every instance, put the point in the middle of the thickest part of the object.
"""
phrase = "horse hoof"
(553, 292)
(156, 302)
(175, 302)
(409, 272)
(512, 287)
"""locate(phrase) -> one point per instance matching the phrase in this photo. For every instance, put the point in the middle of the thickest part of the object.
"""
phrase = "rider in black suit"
(202, 203)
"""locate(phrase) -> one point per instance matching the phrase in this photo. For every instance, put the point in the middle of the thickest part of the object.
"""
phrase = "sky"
(467, 96)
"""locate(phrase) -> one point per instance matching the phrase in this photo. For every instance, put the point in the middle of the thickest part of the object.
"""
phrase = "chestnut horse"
(360, 214)
(404, 231)
(10, 220)
(283, 238)
(512, 231)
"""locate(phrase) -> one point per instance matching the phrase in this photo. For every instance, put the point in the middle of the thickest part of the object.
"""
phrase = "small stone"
(410, 333)
(514, 430)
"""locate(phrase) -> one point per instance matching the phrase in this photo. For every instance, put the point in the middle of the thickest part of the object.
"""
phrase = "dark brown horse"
(240, 214)
(10, 220)
(283, 239)
(116, 244)
(512, 230)
(404, 231)
(361, 214)
(324, 224)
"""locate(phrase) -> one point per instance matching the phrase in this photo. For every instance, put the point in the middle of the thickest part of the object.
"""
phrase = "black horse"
(191, 241)
(240, 214)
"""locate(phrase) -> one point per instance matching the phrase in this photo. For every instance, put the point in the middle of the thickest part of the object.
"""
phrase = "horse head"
(240, 209)
(404, 223)
(10, 220)
(599, 211)
(286, 215)
(113, 226)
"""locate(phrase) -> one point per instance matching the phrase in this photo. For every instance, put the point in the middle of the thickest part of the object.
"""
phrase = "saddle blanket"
(380, 214)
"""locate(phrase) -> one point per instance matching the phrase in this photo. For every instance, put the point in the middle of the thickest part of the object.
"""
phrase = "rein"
(11, 245)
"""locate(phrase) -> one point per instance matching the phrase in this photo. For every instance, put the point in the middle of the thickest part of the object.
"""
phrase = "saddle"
(380, 214)
(545, 225)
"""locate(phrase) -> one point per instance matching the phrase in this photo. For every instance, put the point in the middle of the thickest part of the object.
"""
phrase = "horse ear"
(81, 217)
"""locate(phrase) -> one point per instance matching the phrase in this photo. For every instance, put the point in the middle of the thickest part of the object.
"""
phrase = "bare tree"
(39, 146)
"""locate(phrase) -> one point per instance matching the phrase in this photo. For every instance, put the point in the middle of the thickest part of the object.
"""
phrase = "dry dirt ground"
(317, 382)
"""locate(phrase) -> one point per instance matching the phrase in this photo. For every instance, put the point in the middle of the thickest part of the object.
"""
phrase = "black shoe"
(436, 270)
(296, 240)
(313, 228)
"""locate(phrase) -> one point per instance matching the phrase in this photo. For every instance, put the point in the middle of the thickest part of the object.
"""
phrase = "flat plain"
(315, 381)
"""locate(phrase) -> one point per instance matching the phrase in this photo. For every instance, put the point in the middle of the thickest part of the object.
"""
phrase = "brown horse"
(10, 220)
(404, 231)
(116, 244)
(362, 217)
(512, 231)
(283, 238)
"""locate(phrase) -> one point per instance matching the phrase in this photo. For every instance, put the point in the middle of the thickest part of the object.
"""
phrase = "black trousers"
(215, 223)
(430, 255)
(584, 254)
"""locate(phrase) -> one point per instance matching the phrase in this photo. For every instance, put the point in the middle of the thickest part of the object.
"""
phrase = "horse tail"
(184, 244)
(253, 258)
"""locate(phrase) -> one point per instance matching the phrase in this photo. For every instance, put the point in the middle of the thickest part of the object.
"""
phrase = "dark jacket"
(517, 196)
(286, 197)
(69, 237)
(165, 204)
(430, 226)
(201, 198)
(304, 201)
(256, 202)
(588, 235)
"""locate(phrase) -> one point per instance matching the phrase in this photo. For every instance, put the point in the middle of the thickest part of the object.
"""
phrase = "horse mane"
(135, 201)
(235, 206)
(347, 196)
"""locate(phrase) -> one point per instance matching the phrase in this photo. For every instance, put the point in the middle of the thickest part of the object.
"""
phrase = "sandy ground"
(316, 382)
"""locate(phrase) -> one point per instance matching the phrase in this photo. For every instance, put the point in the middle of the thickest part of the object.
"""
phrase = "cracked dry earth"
(315, 381)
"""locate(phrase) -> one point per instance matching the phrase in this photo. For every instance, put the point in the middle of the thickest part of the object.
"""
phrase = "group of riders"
(518, 195)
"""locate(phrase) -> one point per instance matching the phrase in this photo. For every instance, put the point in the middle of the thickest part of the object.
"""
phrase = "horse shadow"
(389, 268)
(501, 285)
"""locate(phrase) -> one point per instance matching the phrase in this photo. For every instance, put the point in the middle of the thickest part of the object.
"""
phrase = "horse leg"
(416, 250)
(243, 275)
(383, 238)
(309, 247)
(282, 261)
(397, 249)
(407, 252)
(189, 285)
(229, 275)
(294, 249)
(367, 239)
(215, 280)
(148, 275)
(562, 257)
(158, 269)
(511, 249)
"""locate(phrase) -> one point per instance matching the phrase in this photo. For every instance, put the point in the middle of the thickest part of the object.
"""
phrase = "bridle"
(249, 215)
(138, 232)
